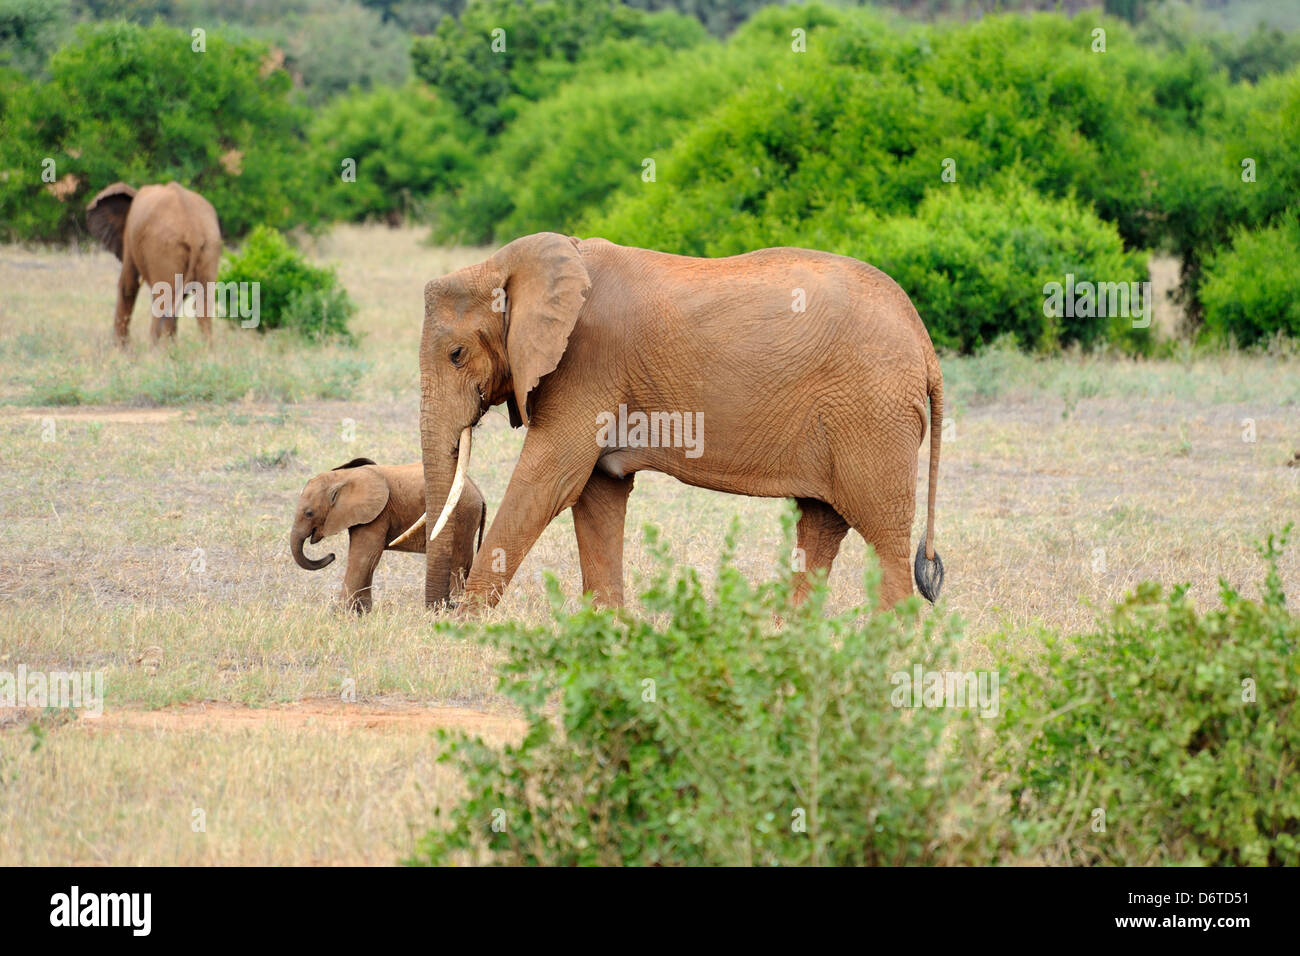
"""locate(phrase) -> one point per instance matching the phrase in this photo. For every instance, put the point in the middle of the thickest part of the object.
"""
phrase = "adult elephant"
(162, 234)
(812, 372)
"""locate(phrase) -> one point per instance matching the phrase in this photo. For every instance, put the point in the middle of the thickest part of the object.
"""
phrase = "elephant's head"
(106, 215)
(492, 331)
(334, 501)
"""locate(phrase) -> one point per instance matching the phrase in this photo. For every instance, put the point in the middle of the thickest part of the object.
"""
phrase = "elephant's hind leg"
(128, 287)
(820, 530)
(163, 325)
(888, 529)
(599, 515)
(206, 275)
(880, 505)
(204, 306)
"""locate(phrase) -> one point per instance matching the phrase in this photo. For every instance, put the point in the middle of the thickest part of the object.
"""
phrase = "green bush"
(1252, 289)
(712, 734)
(544, 39)
(13, 88)
(1182, 728)
(870, 116)
(977, 263)
(1203, 193)
(294, 294)
(560, 159)
(407, 144)
(702, 731)
(138, 104)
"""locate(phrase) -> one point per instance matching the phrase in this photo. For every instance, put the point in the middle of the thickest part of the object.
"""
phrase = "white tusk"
(409, 531)
(453, 497)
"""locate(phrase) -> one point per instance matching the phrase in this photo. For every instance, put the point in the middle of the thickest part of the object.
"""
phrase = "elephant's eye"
(308, 513)
(458, 355)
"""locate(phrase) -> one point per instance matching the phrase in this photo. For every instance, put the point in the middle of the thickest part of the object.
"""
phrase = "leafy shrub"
(1201, 189)
(868, 117)
(294, 294)
(137, 104)
(407, 144)
(543, 40)
(561, 158)
(976, 263)
(328, 46)
(710, 734)
(12, 90)
(1252, 289)
(697, 735)
(1183, 728)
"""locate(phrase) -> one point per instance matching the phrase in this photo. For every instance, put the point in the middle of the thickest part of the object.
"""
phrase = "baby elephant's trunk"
(296, 540)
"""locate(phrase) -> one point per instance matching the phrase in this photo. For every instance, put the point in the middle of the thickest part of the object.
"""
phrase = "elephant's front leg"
(549, 477)
(365, 547)
(599, 515)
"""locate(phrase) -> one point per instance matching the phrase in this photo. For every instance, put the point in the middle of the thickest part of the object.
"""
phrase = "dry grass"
(268, 794)
(150, 543)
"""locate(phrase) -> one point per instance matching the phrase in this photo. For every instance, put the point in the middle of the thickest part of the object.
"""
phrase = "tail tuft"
(928, 574)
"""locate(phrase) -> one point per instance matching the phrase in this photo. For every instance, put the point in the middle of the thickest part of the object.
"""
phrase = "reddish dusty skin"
(375, 504)
(158, 232)
(828, 405)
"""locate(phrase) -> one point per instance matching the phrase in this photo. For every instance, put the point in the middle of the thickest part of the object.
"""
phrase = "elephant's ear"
(106, 215)
(546, 284)
(356, 498)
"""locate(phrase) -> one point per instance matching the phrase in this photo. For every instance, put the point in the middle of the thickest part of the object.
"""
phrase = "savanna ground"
(146, 504)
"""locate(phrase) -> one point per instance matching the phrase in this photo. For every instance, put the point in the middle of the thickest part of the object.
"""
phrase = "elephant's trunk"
(296, 540)
(443, 484)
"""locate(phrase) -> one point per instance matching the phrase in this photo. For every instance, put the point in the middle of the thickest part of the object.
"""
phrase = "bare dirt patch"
(311, 713)
(111, 414)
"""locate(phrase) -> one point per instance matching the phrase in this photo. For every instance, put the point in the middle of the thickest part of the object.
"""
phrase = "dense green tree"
(523, 48)
(333, 49)
(1251, 287)
(142, 105)
(29, 32)
(397, 146)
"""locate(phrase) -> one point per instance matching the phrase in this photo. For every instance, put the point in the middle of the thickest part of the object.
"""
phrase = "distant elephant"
(812, 372)
(159, 233)
(374, 503)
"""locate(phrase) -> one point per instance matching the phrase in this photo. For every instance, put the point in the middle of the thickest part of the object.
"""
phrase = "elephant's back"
(172, 202)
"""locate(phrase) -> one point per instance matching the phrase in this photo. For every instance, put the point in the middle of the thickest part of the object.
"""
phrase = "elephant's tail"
(482, 523)
(928, 568)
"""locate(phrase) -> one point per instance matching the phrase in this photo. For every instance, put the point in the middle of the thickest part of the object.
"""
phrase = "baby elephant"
(376, 503)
